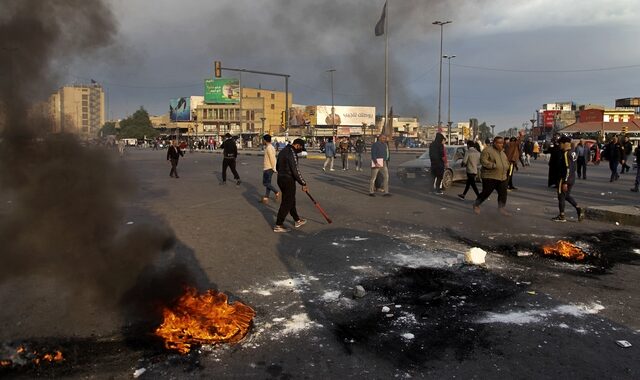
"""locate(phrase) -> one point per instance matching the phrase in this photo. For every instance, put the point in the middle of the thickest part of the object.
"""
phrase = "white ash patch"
(331, 296)
(360, 267)
(295, 324)
(538, 315)
(355, 238)
(636, 251)
(421, 259)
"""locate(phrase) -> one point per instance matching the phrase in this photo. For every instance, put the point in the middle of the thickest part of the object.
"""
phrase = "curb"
(623, 215)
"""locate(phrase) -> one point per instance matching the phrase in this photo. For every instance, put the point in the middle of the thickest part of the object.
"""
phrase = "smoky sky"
(63, 218)
(172, 49)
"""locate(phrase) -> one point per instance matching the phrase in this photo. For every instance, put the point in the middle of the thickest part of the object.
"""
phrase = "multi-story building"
(629, 103)
(78, 109)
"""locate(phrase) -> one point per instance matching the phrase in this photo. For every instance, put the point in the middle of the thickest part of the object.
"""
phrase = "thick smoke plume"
(64, 216)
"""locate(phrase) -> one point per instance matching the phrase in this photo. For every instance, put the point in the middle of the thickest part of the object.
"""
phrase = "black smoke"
(64, 220)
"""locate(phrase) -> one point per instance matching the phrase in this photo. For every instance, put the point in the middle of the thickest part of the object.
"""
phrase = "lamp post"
(448, 58)
(441, 24)
(333, 110)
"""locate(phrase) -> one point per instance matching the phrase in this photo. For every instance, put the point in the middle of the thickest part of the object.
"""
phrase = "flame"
(5, 363)
(565, 250)
(57, 357)
(204, 319)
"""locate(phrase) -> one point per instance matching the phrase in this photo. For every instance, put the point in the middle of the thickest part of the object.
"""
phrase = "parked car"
(421, 167)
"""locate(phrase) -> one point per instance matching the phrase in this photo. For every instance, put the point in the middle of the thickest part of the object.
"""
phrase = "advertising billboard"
(222, 91)
(301, 116)
(345, 116)
(548, 118)
(180, 109)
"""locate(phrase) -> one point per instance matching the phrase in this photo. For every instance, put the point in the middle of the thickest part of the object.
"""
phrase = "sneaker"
(580, 214)
(635, 189)
(438, 192)
(300, 223)
(324, 170)
(332, 169)
(372, 194)
(238, 182)
(559, 218)
(461, 196)
(280, 229)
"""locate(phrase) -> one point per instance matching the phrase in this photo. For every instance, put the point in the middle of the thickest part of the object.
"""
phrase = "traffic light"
(625, 129)
(218, 68)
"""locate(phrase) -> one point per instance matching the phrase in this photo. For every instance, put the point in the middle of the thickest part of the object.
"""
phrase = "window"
(85, 109)
(258, 95)
(253, 115)
(85, 103)
(273, 106)
(273, 96)
(85, 96)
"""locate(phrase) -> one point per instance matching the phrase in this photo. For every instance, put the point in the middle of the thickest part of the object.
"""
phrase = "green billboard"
(222, 91)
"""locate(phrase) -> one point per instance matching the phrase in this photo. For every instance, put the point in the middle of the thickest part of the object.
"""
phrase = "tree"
(137, 126)
(484, 131)
(109, 128)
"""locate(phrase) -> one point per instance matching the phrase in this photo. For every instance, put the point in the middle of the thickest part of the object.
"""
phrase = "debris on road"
(475, 256)
(359, 291)
(623, 343)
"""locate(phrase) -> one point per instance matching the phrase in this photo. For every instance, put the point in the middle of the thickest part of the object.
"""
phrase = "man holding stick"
(288, 175)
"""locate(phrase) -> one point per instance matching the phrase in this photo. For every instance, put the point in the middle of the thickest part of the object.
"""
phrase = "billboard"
(180, 109)
(222, 91)
(548, 118)
(345, 116)
(300, 116)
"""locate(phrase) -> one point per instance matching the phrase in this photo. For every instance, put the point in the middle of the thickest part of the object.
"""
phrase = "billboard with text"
(222, 91)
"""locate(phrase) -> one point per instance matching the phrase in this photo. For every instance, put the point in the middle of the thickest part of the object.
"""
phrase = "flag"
(380, 25)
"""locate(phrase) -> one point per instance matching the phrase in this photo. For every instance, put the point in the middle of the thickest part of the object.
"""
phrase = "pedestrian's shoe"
(634, 189)
(324, 170)
(300, 223)
(264, 200)
(372, 194)
(278, 228)
(580, 214)
(223, 182)
(560, 218)
(504, 212)
(177, 176)
(438, 192)
(278, 195)
(461, 196)
(238, 182)
(332, 169)
(476, 210)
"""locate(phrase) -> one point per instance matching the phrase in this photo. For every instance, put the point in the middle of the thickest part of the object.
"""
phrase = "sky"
(511, 56)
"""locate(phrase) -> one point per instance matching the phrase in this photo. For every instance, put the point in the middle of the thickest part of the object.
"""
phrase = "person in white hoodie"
(269, 167)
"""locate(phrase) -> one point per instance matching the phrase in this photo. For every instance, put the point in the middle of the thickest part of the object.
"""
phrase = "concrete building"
(629, 103)
(78, 109)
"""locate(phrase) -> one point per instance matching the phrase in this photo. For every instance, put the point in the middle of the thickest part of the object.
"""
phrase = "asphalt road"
(517, 316)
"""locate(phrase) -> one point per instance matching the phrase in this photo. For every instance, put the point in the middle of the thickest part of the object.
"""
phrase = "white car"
(421, 166)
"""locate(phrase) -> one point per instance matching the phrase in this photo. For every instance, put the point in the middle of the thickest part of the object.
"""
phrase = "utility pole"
(449, 122)
(442, 24)
(333, 109)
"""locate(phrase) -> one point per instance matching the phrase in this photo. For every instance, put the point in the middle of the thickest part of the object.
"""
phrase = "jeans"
(488, 185)
(174, 167)
(358, 160)
(288, 203)
(471, 182)
(562, 196)
(582, 167)
(613, 166)
(328, 161)
(345, 160)
(266, 181)
(385, 176)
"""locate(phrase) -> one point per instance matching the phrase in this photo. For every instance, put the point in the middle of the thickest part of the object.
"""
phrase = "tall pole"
(333, 110)
(286, 103)
(449, 123)
(442, 24)
(386, 74)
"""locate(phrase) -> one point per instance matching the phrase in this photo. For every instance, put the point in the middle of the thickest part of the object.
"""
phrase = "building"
(629, 103)
(402, 126)
(554, 116)
(78, 109)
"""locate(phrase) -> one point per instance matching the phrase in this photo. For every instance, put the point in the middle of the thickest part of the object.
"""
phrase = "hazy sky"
(512, 55)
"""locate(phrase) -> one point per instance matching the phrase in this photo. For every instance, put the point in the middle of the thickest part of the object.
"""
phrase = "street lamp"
(442, 24)
(448, 58)
(333, 110)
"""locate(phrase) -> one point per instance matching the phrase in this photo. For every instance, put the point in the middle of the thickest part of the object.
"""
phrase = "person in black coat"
(229, 155)
(615, 155)
(173, 155)
(438, 163)
(555, 155)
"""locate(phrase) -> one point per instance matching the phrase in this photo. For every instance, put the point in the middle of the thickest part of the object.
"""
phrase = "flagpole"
(386, 70)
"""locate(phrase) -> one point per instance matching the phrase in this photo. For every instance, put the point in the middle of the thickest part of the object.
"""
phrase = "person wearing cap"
(567, 170)
(288, 175)
(229, 155)
(269, 167)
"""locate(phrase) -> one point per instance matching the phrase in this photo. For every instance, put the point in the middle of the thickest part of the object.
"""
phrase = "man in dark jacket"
(627, 147)
(614, 154)
(173, 155)
(229, 155)
(288, 175)
(555, 155)
(637, 183)
(438, 157)
(567, 170)
(360, 149)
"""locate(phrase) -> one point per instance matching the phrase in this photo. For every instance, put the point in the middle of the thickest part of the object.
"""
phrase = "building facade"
(78, 109)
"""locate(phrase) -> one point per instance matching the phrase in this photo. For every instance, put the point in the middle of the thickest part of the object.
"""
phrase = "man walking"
(360, 148)
(379, 163)
(343, 148)
(229, 155)
(471, 161)
(627, 148)
(637, 183)
(614, 155)
(567, 170)
(495, 166)
(288, 175)
(173, 155)
(269, 167)
(330, 154)
(513, 155)
(582, 152)
(438, 158)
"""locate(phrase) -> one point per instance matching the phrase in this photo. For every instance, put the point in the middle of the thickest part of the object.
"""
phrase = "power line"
(546, 71)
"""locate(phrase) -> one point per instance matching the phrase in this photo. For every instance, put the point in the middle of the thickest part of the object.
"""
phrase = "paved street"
(516, 317)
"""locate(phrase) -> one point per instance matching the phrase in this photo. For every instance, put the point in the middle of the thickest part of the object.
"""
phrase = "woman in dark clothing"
(438, 158)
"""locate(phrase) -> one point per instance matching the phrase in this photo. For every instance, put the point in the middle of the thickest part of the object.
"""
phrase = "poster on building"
(301, 116)
(222, 91)
(345, 115)
(180, 109)
(549, 118)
